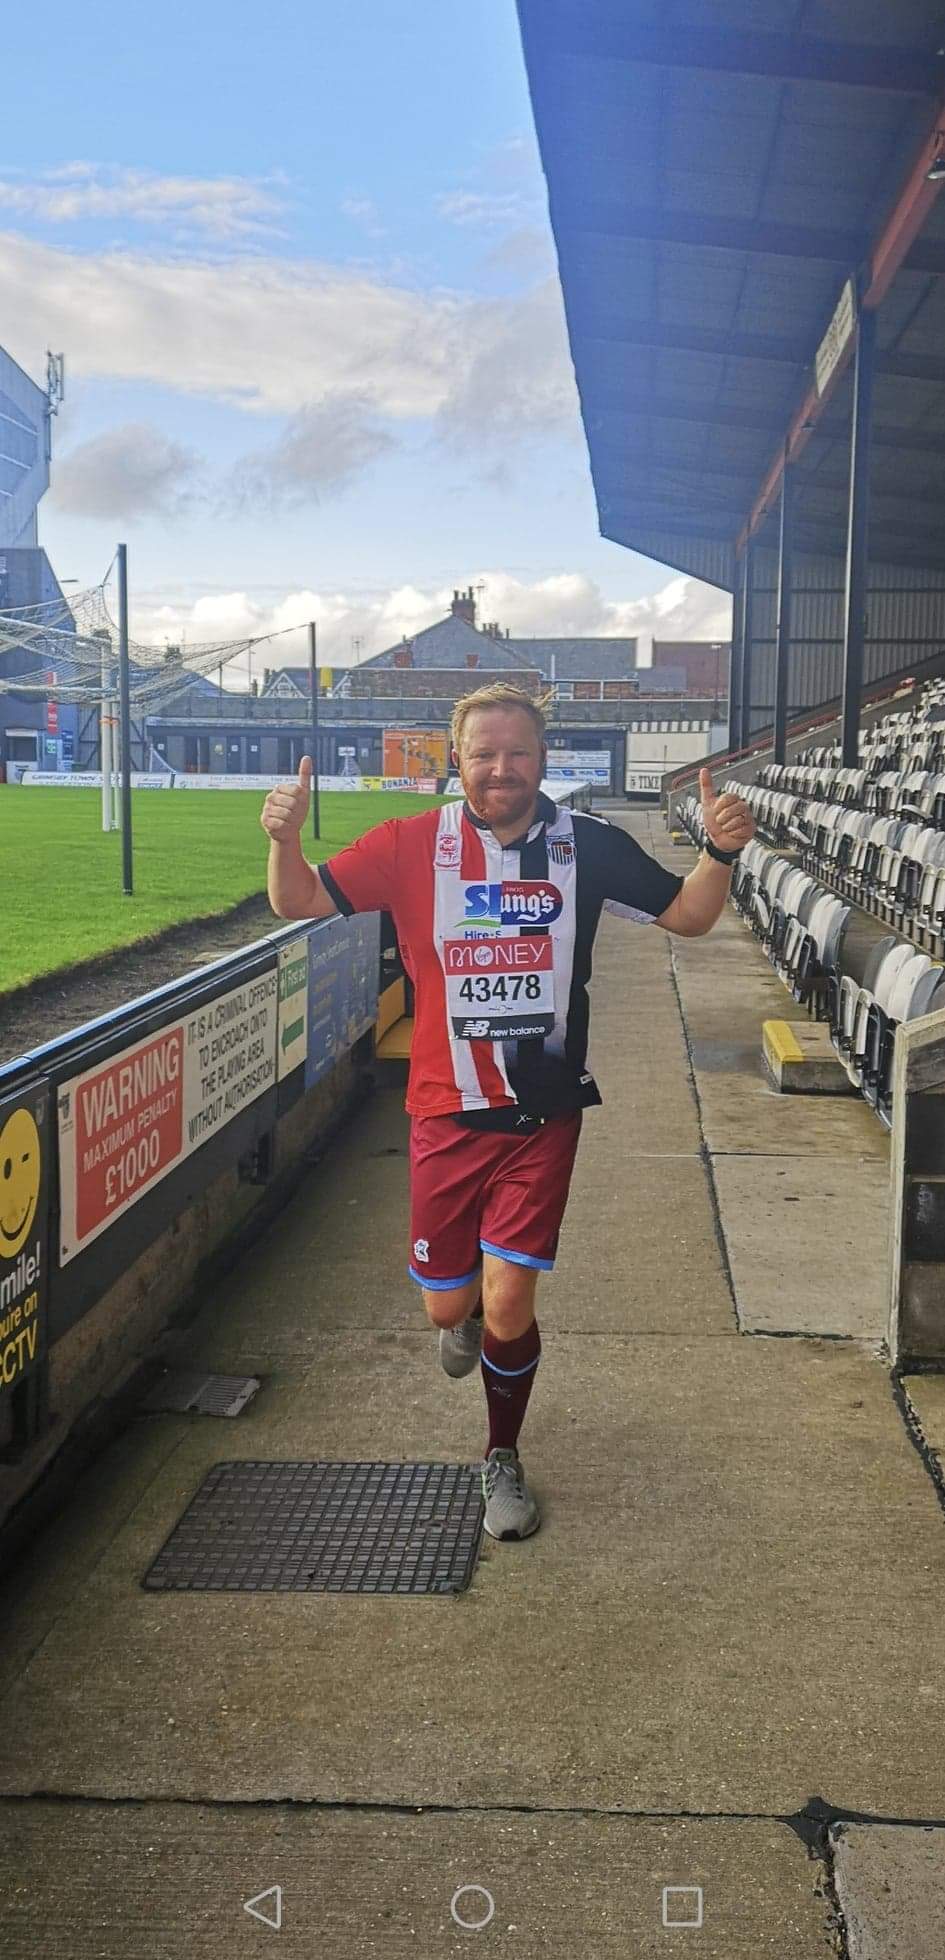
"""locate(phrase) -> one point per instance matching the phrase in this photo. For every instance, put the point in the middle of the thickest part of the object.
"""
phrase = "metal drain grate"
(326, 1527)
(192, 1391)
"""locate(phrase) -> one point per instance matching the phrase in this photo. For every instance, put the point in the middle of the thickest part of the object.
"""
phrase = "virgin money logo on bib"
(522, 902)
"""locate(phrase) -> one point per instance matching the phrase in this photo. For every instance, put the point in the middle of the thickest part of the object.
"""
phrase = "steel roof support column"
(784, 613)
(737, 661)
(746, 637)
(854, 633)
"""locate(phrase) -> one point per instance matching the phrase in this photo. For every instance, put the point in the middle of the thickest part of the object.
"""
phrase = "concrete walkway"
(728, 1630)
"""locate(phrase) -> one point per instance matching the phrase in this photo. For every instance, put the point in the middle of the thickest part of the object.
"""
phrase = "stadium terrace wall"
(164, 1134)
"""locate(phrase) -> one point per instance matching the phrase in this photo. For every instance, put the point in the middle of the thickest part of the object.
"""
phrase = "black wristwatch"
(721, 857)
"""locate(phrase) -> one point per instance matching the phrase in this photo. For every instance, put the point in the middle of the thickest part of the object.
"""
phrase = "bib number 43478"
(500, 989)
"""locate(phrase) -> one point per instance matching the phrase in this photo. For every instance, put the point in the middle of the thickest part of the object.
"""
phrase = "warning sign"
(23, 1224)
(293, 1006)
(229, 1056)
(120, 1132)
(126, 1123)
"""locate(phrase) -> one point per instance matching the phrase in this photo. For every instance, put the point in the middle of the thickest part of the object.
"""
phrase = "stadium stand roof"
(24, 453)
(717, 171)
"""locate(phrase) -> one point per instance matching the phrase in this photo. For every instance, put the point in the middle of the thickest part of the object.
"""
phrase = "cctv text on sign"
(24, 1184)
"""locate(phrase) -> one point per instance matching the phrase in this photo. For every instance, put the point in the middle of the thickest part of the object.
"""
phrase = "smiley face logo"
(19, 1180)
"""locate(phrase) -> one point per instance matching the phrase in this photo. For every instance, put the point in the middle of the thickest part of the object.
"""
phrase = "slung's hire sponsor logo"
(520, 902)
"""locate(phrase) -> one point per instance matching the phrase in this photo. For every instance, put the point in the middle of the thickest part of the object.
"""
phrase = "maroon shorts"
(476, 1191)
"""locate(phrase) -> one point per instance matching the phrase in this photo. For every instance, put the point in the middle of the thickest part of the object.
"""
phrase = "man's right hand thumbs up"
(286, 808)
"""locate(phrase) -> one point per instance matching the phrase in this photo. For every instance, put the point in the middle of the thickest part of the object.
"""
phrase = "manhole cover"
(192, 1391)
(326, 1527)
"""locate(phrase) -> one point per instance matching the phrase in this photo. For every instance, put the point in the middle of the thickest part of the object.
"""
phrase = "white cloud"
(504, 191)
(364, 212)
(225, 208)
(516, 380)
(527, 253)
(570, 603)
(484, 208)
(560, 606)
(264, 334)
(129, 472)
(319, 452)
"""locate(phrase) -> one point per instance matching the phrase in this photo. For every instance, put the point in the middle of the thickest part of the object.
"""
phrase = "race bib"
(500, 989)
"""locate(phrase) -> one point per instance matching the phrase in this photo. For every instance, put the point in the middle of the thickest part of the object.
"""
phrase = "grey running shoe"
(460, 1347)
(511, 1511)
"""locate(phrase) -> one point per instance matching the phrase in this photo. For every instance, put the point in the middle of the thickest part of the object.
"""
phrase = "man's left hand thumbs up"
(728, 821)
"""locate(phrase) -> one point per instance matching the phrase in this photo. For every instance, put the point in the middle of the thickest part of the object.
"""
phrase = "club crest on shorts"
(421, 1251)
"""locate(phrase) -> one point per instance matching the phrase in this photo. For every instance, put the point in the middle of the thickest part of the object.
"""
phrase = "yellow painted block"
(781, 1043)
(801, 1058)
(395, 1044)
(391, 1005)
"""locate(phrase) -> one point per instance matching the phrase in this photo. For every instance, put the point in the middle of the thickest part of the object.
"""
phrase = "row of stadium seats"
(897, 745)
(892, 867)
(894, 792)
(802, 927)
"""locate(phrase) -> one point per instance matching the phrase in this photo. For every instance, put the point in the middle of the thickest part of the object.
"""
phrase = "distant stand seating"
(870, 838)
(849, 855)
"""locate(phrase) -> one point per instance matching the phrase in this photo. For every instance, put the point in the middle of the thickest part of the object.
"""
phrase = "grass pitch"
(196, 852)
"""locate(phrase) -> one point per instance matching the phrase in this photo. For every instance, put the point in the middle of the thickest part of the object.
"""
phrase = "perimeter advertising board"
(581, 765)
(414, 752)
(24, 1203)
(88, 779)
(343, 966)
(127, 1122)
(293, 1006)
(642, 781)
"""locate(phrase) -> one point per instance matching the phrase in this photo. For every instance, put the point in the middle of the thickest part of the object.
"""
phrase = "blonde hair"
(498, 694)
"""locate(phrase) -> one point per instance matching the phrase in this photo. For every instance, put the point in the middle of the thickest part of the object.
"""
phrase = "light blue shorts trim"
(442, 1285)
(517, 1258)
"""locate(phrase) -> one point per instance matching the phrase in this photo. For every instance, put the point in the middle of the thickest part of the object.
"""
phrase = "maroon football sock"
(508, 1370)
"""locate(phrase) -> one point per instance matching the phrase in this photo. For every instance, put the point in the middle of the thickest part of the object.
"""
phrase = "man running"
(496, 901)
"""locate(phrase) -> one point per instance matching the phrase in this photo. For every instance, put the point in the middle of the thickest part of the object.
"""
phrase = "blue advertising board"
(343, 966)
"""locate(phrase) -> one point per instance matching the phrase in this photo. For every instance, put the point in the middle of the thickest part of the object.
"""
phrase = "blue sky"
(300, 266)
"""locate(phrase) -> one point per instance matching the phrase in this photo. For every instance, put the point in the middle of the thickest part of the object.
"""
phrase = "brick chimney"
(464, 606)
(403, 655)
